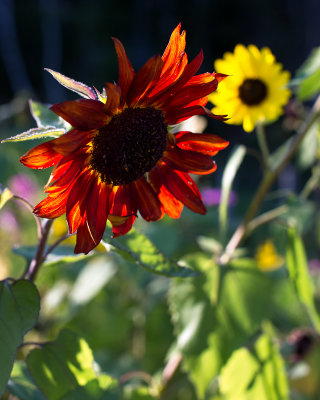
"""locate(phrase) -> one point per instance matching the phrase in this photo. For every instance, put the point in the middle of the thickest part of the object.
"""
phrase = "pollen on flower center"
(252, 91)
(129, 145)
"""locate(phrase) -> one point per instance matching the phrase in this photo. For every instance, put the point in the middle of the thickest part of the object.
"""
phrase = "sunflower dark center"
(252, 91)
(130, 145)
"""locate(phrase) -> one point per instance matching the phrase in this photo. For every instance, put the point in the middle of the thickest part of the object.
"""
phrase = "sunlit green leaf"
(61, 366)
(78, 87)
(137, 248)
(21, 384)
(5, 195)
(102, 388)
(254, 374)
(216, 312)
(299, 274)
(308, 150)
(310, 86)
(35, 133)
(45, 118)
(19, 310)
(229, 174)
(307, 77)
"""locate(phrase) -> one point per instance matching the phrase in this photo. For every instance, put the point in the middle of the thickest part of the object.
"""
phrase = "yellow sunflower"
(255, 91)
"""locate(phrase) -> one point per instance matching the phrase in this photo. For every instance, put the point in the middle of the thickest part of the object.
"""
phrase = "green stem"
(268, 181)
(263, 145)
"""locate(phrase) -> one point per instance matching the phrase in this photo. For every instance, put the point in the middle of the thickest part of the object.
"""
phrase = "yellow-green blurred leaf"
(5, 195)
(299, 274)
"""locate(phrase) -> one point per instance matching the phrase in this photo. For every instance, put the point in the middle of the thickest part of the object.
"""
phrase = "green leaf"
(102, 388)
(137, 248)
(229, 174)
(78, 87)
(19, 310)
(299, 274)
(62, 366)
(308, 76)
(216, 312)
(45, 118)
(21, 384)
(35, 133)
(5, 195)
(309, 148)
(131, 392)
(255, 374)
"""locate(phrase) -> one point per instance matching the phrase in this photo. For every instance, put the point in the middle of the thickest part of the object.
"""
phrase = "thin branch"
(268, 181)
(261, 136)
(39, 255)
(55, 244)
(135, 375)
(266, 217)
(30, 207)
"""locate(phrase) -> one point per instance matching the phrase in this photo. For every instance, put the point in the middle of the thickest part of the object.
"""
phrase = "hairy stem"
(39, 255)
(30, 207)
(263, 145)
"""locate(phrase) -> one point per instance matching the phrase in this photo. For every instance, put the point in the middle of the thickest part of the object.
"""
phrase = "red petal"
(97, 210)
(189, 161)
(122, 228)
(122, 201)
(65, 173)
(170, 204)
(83, 114)
(113, 98)
(178, 115)
(41, 156)
(54, 205)
(204, 143)
(126, 71)
(182, 187)
(77, 200)
(190, 94)
(70, 141)
(173, 52)
(147, 200)
(144, 79)
(85, 242)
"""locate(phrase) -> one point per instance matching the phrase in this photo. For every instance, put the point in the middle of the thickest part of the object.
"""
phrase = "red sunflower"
(120, 157)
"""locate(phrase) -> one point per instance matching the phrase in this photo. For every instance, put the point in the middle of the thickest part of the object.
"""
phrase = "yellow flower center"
(253, 91)
(129, 145)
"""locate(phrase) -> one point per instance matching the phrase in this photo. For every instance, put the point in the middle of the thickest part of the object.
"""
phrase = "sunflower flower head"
(120, 157)
(255, 91)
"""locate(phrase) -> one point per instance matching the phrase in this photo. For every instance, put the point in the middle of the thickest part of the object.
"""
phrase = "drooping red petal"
(83, 114)
(182, 187)
(98, 210)
(85, 242)
(123, 227)
(189, 161)
(66, 172)
(147, 201)
(41, 156)
(122, 201)
(171, 206)
(204, 143)
(144, 79)
(126, 71)
(54, 205)
(76, 203)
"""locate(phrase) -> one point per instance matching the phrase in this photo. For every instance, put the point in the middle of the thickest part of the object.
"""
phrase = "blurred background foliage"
(125, 313)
